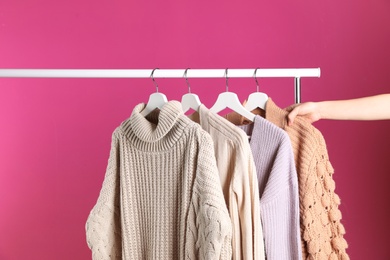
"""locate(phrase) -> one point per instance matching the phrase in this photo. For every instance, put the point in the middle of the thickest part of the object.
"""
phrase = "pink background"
(55, 133)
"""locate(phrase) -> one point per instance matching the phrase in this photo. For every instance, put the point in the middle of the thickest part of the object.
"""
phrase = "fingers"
(292, 115)
(291, 107)
(309, 111)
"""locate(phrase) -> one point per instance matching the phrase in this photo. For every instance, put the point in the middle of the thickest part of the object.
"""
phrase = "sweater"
(239, 182)
(321, 229)
(278, 184)
(161, 196)
(322, 233)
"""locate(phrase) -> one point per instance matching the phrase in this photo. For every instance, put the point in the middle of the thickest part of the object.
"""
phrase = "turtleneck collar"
(275, 114)
(157, 131)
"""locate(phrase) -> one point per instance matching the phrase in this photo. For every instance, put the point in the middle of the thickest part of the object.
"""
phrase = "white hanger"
(156, 100)
(256, 99)
(230, 100)
(189, 100)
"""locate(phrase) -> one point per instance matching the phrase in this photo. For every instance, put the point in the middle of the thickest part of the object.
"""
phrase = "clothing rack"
(297, 74)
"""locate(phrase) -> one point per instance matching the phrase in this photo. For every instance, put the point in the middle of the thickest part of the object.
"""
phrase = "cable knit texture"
(278, 185)
(237, 173)
(161, 196)
(321, 229)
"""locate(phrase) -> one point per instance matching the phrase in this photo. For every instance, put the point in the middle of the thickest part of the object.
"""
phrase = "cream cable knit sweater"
(161, 197)
(237, 172)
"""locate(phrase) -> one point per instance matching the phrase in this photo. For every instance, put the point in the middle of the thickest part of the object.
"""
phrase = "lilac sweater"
(278, 187)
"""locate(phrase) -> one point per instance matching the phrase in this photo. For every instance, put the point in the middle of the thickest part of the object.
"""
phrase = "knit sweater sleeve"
(280, 207)
(257, 229)
(209, 225)
(245, 207)
(103, 228)
(323, 232)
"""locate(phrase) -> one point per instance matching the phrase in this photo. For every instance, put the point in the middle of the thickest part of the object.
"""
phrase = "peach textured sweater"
(320, 218)
(321, 229)
(239, 183)
(161, 197)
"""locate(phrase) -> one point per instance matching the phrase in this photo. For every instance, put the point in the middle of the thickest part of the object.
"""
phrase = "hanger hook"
(257, 83)
(227, 80)
(155, 83)
(188, 84)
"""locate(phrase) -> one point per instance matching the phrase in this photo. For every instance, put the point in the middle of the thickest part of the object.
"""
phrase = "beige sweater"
(161, 197)
(239, 181)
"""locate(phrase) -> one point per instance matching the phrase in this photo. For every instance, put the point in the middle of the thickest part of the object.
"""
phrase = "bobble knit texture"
(161, 197)
(321, 229)
(237, 173)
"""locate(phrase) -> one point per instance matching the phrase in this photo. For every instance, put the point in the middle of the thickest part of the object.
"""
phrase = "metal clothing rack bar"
(165, 73)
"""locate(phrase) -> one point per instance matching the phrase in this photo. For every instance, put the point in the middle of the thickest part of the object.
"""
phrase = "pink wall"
(55, 133)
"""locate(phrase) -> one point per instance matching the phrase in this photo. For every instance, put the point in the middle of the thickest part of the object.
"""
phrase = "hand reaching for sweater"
(366, 108)
(308, 110)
